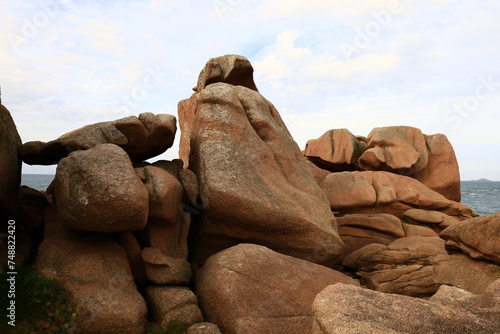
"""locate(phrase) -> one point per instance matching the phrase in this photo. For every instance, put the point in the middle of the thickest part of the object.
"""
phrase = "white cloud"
(412, 71)
(334, 9)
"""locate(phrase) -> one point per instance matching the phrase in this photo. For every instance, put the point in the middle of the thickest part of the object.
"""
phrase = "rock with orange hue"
(95, 270)
(231, 69)
(441, 173)
(406, 150)
(252, 289)
(10, 165)
(485, 305)
(318, 173)
(379, 192)
(134, 250)
(464, 272)
(167, 226)
(434, 220)
(403, 267)
(165, 270)
(168, 303)
(336, 150)
(359, 230)
(399, 149)
(343, 308)
(98, 190)
(141, 137)
(254, 182)
(477, 237)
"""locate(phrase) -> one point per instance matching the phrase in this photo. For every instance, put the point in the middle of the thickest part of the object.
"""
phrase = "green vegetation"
(43, 306)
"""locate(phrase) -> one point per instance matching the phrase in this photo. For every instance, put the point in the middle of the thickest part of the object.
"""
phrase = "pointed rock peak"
(232, 69)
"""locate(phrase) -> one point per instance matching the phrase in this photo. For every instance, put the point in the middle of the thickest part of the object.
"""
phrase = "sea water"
(482, 196)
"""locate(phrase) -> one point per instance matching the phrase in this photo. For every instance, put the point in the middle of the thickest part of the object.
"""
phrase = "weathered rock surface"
(485, 305)
(96, 272)
(336, 150)
(359, 230)
(318, 173)
(167, 228)
(134, 251)
(395, 149)
(168, 304)
(141, 137)
(405, 150)
(98, 190)
(441, 173)
(252, 289)
(10, 165)
(31, 204)
(477, 237)
(254, 182)
(231, 69)
(165, 270)
(379, 192)
(464, 272)
(343, 308)
(403, 267)
(203, 328)
(435, 220)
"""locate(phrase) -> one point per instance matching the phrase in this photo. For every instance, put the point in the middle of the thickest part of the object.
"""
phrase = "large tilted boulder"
(251, 289)
(336, 150)
(95, 270)
(98, 190)
(379, 192)
(255, 184)
(343, 308)
(10, 165)
(477, 237)
(141, 137)
(403, 267)
(406, 150)
(232, 69)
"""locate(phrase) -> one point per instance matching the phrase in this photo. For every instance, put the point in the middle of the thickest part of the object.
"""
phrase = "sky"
(430, 64)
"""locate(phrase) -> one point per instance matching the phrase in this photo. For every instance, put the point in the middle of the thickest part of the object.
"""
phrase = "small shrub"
(43, 306)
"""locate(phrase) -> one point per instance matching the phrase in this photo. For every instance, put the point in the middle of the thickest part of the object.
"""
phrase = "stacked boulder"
(244, 229)
(119, 223)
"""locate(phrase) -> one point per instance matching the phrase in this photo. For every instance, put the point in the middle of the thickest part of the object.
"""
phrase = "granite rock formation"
(244, 230)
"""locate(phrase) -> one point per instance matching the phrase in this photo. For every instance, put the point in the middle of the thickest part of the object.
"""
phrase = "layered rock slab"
(405, 266)
(255, 184)
(141, 137)
(359, 230)
(477, 237)
(343, 308)
(252, 289)
(379, 192)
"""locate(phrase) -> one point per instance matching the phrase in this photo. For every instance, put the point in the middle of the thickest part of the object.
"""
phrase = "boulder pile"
(246, 233)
